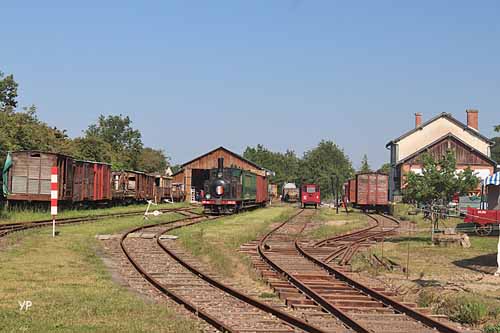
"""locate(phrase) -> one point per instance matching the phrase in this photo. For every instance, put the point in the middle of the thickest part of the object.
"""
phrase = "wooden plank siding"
(466, 157)
(463, 154)
(209, 161)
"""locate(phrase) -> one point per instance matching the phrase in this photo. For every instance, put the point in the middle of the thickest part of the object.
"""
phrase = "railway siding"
(71, 288)
(208, 298)
(363, 308)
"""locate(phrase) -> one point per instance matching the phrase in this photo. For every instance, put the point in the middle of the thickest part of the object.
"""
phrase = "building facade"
(194, 173)
(437, 136)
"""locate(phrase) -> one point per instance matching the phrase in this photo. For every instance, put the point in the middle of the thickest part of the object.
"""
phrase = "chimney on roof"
(418, 119)
(472, 119)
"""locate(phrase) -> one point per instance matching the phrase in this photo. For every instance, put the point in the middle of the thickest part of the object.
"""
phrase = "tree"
(152, 160)
(365, 167)
(285, 165)
(176, 168)
(125, 141)
(323, 162)
(495, 150)
(93, 149)
(385, 168)
(8, 92)
(24, 131)
(439, 181)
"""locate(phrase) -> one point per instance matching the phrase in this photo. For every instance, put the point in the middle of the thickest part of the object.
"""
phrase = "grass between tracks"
(70, 287)
(217, 242)
(18, 214)
(455, 281)
(331, 224)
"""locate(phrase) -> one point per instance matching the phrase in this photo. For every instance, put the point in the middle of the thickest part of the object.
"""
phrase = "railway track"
(340, 249)
(297, 272)
(164, 266)
(6, 229)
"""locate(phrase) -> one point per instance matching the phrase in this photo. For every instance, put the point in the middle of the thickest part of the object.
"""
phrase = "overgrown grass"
(434, 270)
(70, 287)
(464, 308)
(332, 224)
(218, 242)
(492, 328)
(18, 214)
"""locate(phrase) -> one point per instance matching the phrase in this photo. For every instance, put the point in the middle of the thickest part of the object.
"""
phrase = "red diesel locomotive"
(310, 195)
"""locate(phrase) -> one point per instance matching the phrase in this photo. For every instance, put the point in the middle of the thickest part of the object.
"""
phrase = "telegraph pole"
(335, 189)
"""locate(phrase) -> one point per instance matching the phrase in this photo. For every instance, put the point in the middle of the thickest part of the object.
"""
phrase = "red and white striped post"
(53, 198)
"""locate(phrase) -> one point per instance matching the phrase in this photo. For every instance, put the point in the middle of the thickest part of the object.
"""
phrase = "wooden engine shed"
(194, 173)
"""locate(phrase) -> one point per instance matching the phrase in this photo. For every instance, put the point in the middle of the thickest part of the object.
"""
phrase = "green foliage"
(495, 150)
(495, 328)
(365, 167)
(92, 149)
(125, 141)
(23, 130)
(324, 161)
(439, 181)
(152, 160)
(497, 128)
(267, 295)
(317, 166)
(112, 139)
(385, 168)
(175, 168)
(286, 166)
(468, 311)
(8, 92)
(465, 308)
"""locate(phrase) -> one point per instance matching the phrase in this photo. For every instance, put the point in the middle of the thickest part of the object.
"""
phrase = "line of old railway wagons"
(368, 191)
(28, 179)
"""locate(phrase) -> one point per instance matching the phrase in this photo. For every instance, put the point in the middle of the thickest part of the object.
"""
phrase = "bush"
(471, 313)
(492, 328)
(427, 299)
(465, 310)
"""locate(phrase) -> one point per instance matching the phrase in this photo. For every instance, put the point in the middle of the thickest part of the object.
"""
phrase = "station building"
(436, 136)
(194, 173)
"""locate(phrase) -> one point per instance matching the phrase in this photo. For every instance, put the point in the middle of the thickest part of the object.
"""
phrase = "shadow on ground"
(486, 263)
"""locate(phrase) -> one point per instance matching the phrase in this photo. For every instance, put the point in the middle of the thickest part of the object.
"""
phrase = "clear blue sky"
(194, 75)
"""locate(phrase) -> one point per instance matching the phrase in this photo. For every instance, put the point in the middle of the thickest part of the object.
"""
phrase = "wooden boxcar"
(351, 190)
(369, 190)
(163, 185)
(79, 181)
(132, 185)
(177, 192)
(92, 181)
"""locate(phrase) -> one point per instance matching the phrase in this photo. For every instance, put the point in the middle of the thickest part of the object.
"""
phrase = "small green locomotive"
(230, 190)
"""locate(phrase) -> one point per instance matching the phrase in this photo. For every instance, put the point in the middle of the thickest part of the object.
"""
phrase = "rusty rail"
(180, 300)
(8, 228)
(291, 320)
(327, 306)
(386, 300)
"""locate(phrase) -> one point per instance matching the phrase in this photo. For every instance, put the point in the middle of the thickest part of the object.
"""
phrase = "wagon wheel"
(483, 230)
